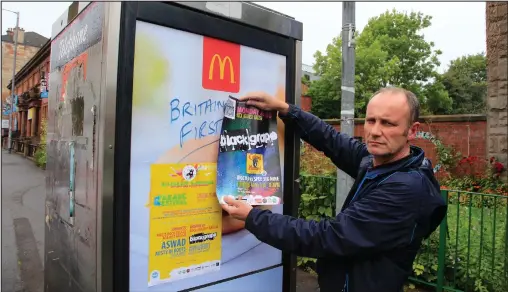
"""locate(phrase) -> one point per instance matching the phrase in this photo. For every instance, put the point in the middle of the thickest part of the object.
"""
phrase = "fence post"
(442, 247)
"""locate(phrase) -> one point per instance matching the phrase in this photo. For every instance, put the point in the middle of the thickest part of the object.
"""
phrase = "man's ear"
(413, 130)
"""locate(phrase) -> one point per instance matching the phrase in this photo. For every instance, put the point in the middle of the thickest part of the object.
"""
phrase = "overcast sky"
(458, 28)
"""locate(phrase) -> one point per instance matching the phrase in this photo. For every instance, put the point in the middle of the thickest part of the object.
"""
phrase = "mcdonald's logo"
(221, 65)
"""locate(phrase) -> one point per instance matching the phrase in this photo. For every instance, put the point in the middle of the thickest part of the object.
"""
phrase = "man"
(394, 203)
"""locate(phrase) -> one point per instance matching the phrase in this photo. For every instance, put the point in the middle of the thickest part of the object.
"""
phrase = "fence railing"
(469, 250)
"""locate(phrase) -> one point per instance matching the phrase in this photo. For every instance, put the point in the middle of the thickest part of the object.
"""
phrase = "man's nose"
(375, 130)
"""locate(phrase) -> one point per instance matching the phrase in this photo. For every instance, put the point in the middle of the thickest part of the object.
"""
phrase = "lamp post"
(13, 87)
(347, 112)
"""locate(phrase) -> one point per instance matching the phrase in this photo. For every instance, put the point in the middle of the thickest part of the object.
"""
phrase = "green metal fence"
(469, 250)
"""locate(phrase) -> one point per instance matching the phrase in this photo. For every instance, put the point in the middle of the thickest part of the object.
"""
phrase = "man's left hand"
(236, 208)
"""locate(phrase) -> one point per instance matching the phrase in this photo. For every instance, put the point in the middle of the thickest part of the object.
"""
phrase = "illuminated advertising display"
(180, 239)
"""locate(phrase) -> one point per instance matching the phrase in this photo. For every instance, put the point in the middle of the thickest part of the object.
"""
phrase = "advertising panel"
(179, 236)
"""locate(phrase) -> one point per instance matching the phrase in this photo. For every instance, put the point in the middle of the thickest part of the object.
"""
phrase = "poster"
(180, 86)
(184, 222)
(248, 164)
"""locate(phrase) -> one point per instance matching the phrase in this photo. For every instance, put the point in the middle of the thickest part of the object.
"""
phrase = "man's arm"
(344, 151)
(382, 220)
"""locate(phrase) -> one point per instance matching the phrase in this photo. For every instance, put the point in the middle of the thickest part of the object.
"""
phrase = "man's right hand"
(264, 101)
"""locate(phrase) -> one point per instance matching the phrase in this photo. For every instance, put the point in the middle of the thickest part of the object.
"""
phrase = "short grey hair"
(412, 101)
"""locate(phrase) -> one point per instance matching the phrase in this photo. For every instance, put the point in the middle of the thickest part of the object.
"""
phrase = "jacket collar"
(415, 159)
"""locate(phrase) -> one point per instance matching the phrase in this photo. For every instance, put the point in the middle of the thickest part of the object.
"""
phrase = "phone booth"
(137, 94)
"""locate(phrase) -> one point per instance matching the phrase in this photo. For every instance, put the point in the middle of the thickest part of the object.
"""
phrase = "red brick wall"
(306, 103)
(465, 133)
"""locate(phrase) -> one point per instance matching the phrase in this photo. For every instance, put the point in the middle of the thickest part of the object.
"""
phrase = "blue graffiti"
(186, 110)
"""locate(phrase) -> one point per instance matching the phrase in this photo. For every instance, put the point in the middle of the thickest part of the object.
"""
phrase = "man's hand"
(264, 101)
(236, 208)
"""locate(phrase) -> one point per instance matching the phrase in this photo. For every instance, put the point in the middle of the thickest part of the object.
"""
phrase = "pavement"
(23, 200)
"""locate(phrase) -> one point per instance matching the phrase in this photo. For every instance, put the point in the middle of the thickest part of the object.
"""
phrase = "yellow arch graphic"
(222, 65)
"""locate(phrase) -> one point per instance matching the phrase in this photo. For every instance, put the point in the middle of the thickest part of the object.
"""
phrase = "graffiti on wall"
(430, 137)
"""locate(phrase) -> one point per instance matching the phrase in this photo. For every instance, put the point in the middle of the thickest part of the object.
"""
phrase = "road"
(23, 194)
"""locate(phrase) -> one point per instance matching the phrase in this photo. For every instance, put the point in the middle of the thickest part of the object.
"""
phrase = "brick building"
(29, 43)
(32, 103)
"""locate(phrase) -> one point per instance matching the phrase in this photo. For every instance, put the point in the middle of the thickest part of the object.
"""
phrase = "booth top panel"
(67, 16)
(253, 15)
(244, 12)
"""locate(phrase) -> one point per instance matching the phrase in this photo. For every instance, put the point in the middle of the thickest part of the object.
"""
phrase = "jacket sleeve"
(382, 220)
(344, 151)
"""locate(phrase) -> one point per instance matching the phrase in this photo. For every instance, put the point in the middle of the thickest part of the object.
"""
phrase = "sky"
(458, 28)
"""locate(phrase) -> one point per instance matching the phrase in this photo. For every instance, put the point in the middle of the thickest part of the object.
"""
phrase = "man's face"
(387, 129)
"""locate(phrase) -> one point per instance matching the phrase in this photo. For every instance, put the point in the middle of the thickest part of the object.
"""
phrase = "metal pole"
(13, 82)
(347, 113)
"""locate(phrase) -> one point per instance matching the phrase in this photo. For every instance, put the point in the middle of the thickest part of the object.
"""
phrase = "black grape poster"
(248, 166)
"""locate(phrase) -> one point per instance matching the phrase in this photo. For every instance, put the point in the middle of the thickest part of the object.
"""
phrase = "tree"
(466, 83)
(436, 99)
(391, 50)
(325, 92)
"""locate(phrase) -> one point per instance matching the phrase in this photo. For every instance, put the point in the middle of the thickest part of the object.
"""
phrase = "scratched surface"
(70, 244)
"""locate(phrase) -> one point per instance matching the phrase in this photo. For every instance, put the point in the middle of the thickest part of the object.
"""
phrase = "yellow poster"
(185, 222)
(31, 113)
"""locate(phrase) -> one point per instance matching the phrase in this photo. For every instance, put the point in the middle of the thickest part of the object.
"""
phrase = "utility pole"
(13, 81)
(347, 113)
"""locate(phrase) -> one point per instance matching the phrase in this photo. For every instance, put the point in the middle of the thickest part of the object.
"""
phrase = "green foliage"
(306, 80)
(466, 83)
(437, 101)
(317, 202)
(313, 162)
(447, 156)
(391, 50)
(474, 174)
(325, 92)
(40, 153)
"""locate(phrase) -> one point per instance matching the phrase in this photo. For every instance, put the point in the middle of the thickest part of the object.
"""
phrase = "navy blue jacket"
(372, 243)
